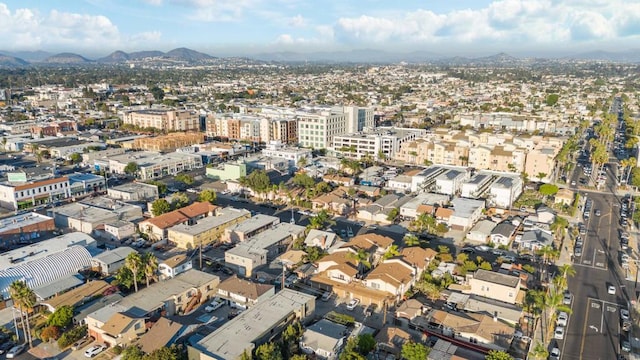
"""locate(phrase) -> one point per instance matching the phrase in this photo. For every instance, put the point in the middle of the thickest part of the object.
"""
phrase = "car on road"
(563, 318)
(326, 296)
(624, 314)
(573, 183)
(81, 343)
(352, 304)
(558, 333)
(598, 213)
(497, 252)
(15, 351)
(554, 354)
(483, 248)
(566, 298)
(94, 350)
(6, 346)
(625, 346)
(508, 258)
(579, 241)
(467, 250)
(214, 305)
(611, 290)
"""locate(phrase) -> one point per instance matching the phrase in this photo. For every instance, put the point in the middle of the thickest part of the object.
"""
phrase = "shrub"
(71, 336)
(117, 350)
(50, 332)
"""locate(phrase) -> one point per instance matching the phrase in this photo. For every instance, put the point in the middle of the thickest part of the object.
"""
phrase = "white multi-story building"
(30, 194)
(276, 149)
(318, 127)
(376, 143)
(358, 118)
(504, 191)
(450, 182)
(153, 165)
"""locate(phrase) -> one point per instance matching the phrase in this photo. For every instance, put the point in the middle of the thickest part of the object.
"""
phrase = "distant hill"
(185, 54)
(145, 54)
(12, 61)
(30, 56)
(115, 57)
(632, 56)
(66, 58)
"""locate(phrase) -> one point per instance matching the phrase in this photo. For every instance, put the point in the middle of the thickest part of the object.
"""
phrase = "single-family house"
(323, 339)
(393, 276)
(320, 238)
(163, 333)
(121, 329)
(475, 328)
(494, 285)
(466, 213)
(502, 233)
(110, 261)
(564, 197)
(241, 293)
(535, 239)
(481, 231)
(390, 340)
(545, 214)
(157, 227)
(174, 266)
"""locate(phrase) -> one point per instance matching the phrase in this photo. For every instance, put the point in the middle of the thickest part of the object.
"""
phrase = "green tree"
(393, 214)
(75, 158)
(392, 252)
(428, 289)
(185, 179)
(268, 351)
(162, 187)
(362, 258)
(132, 353)
(133, 262)
(124, 278)
(552, 99)
(313, 253)
(411, 240)
(320, 220)
(414, 351)
(150, 263)
(131, 168)
(25, 298)
(322, 188)
(179, 201)
(208, 195)
(366, 343)
(350, 351)
(498, 355)
(257, 181)
(62, 317)
(548, 189)
(302, 162)
(304, 180)
(160, 206)
(539, 352)
(157, 93)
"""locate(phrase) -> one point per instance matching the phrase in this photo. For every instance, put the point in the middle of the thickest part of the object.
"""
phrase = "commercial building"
(317, 127)
(374, 143)
(90, 214)
(164, 120)
(83, 184)
(153, 165)
(227, 171)
(25, 226)
(16, 196)
(166, 143)
(254, 326)
(276, 149)
(135, 191)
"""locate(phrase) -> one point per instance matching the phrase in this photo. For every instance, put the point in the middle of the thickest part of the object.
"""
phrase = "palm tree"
(150, 266)
(134, 262)
(25, 298)
(567, 270)
(539, 352)
(362, 259)
(411, 240)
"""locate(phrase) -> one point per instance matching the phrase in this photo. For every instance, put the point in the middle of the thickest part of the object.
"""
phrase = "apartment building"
(16, 196)
(276, 149)
(540, 163)
(375, 143)
(163, 119)
(168, 142)
(318, 127)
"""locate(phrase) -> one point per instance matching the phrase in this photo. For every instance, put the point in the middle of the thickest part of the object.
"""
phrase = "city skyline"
(225, 27)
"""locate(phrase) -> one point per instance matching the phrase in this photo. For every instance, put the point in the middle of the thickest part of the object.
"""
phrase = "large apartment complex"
(164, 120)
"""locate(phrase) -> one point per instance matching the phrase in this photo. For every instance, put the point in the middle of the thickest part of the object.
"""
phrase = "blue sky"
(237, 27)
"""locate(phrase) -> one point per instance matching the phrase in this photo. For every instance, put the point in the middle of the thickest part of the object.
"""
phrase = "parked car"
(352, 304)
(214, 305)
(94, 350)
(554, 354)
(6, 346)
(81, 343)
(566, 298)
(370, 310)
(624, 314)
(15, 351)
(326, 296)
(559, 333)
(563, 318)
(577, 251)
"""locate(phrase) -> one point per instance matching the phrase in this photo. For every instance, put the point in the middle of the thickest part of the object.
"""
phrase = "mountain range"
(188, 56)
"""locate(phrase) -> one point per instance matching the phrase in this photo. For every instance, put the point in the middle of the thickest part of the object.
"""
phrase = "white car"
(483, 248)
(215, 305)
(611, 290)
(563, 318)
(559, 333)
(554, 354)
(352, 304)
(15, 351)
(94, 350)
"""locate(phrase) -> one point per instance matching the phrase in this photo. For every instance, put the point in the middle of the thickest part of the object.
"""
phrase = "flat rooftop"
(131, 187)
(254, 223)
(19, 221)
(148, 158)
(45, 248)
(226, 215)
(232, 338)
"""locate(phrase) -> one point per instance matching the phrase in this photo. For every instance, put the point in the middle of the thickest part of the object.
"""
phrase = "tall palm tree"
(150, 266)
(362, 259)
(134, 263)
(25, 298)
(567, 270)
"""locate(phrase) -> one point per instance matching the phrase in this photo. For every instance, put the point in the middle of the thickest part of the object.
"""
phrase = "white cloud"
(297, 21)
(153, 2)
(508, 21)
(30, 29)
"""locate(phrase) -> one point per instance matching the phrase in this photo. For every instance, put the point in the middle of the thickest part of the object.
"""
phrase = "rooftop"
(20, 221)
(254, 223)
(115, 255)
(44, 248)
(465, 207)
(496, 278)
(276, 234)
(224, 216)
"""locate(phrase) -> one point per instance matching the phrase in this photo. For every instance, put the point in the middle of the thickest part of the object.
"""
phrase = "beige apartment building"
(168, 142)
(164, 120)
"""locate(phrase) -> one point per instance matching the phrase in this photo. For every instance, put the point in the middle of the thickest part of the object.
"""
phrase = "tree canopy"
(160, 206)
(414, 351)
(498, 355)
(548, 189)
(62, 317)
(131, 168)
(257, 181)
(208, 195)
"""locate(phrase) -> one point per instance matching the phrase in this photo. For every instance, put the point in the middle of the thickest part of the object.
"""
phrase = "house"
(481, 231)
(407, 311)
(324, 339)
(242, 293)
(254, 326)
(374, 244)
(494, 285)
(174, 266)
(422, 203)
(157, 227)
(390, 340)
(120, 330)
(393, 276)
(292, 258)
(77, 296)
(564, 197)
(475, 328)
(418, 257)
(466, 213)
(502, 233)
(320, 238)
(545, 214)
(339, 266)
(379, 210)
(450, 182)
(119, 230)
(536, 239)
(110, 261)
(333, 203)
(504, 191)
(335, 179)
(163, 333)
